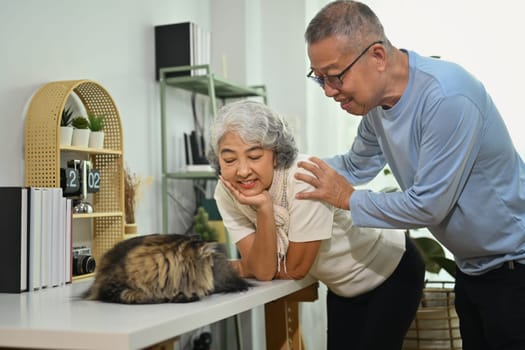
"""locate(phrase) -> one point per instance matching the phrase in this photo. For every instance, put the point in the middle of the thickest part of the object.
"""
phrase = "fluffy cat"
(163, 268)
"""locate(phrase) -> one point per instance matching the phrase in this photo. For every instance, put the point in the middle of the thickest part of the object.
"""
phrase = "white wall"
(111, 41)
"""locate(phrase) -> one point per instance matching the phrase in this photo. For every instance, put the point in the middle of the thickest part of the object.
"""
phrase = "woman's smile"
(247, 185)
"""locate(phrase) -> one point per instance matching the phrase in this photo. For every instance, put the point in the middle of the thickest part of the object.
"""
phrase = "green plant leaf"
(434, 256)
(80, 123)
(446, 264)
(429, 246)
(96, 123)
(65, 119)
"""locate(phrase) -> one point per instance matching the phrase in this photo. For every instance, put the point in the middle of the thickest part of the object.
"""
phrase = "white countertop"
(56, 318)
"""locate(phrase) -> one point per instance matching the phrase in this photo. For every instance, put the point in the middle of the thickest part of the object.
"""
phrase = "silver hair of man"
(351, 20)
(255, 123)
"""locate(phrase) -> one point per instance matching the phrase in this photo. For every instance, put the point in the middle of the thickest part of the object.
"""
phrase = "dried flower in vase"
(132, 193)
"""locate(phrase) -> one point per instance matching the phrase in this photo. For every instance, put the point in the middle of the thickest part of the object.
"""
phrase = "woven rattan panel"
(107, 233)
(41, 135)
(98, 101)
(109, 197)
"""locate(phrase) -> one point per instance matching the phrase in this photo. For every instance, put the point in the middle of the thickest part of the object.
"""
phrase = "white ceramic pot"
(96, 139)
(66, 134)
(80, 137)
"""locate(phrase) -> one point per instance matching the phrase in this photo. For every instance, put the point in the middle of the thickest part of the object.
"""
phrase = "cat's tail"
(225, 278)
(232, 284)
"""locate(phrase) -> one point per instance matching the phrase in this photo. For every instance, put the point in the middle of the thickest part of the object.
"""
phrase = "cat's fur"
(163, 268)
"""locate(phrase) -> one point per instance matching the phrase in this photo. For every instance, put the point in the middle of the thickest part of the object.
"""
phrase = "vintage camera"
(83, 261)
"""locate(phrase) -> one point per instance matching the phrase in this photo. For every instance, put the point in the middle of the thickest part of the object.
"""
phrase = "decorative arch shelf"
(43, 153)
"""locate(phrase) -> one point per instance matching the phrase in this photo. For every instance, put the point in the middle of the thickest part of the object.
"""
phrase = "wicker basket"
(436, 325)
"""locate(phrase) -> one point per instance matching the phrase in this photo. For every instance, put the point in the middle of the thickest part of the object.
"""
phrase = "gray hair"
(351, 20)
(255, 123)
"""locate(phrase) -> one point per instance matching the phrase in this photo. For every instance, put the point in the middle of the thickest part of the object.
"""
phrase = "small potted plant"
(96, 137)
(66, 131)
(80, 132)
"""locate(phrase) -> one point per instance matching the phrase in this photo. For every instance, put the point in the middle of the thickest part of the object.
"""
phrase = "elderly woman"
(374, 277)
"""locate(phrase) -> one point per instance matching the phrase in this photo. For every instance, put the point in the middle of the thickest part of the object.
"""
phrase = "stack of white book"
(50, 238)
(37, 229)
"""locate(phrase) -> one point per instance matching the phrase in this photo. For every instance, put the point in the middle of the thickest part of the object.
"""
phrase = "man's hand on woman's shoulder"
(329, 185)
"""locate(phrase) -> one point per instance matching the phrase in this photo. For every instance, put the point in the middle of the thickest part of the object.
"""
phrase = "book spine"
(187, 149)
(24, 240)
(69, 241)
(14, 206)
(35, 235)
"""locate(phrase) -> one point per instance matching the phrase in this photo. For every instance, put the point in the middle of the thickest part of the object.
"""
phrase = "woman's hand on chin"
(257, 201)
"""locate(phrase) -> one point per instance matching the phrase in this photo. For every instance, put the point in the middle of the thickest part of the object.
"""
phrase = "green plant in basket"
(80, 123)
(96, 123)
(65, 119)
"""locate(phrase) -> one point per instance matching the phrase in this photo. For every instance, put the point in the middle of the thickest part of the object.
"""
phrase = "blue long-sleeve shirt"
(451, 153)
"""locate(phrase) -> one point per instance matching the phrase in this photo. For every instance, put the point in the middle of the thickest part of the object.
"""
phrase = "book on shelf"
(36, 225)
(194, 148)
(181, 44)
(45, 238)
(55, 253)
(187, 149)
(14, 206)
(35, 237)
(68, 259)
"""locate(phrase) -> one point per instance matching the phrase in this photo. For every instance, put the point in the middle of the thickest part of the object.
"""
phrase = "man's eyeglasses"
(336, 81)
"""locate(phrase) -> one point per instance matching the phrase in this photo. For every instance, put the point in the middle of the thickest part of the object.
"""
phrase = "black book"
(187, 150)
(198, 153)
(14, 222)
(174, 46)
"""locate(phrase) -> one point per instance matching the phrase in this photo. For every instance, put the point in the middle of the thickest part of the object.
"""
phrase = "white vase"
(80, 137)
(96, 139)
(66, 134)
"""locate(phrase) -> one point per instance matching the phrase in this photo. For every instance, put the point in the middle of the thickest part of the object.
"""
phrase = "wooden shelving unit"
(205, 84)
(44, 155)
